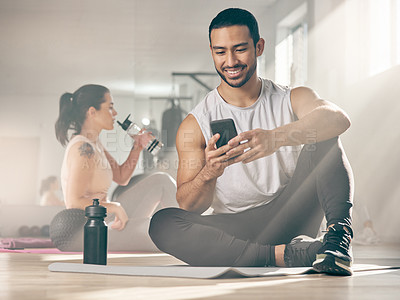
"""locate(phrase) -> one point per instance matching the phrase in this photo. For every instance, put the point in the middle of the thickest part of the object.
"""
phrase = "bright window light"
(283, 60)
(398, 31)
(380, 33)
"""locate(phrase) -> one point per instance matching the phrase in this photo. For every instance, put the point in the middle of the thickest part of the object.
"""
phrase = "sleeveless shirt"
(244, 186)
(102, 175)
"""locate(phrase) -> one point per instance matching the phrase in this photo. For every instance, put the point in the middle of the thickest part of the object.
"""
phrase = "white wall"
(338, 71)
(33, 120)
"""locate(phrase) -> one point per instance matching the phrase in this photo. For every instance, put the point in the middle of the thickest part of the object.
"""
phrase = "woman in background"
(48, 192)
(88, 170)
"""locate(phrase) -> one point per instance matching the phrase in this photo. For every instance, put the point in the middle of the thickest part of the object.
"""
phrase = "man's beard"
(250, 73)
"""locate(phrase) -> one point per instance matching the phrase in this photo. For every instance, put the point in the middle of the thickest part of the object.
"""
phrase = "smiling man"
(271, 185)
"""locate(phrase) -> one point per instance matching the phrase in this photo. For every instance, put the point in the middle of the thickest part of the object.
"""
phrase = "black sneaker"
(335, 255)
(301, 251)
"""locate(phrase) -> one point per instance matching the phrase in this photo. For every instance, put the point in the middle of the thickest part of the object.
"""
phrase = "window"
(398, 31)
(379, 36)
(384, 35)
(291, 49)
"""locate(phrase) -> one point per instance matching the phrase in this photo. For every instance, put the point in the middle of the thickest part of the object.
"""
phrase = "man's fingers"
(237, 150)
(212, 142)
(246, 156)
(252, 158)
(243, 136)
(211, 148)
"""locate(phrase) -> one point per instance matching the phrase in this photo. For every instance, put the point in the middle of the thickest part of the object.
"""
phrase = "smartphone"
(226, 129)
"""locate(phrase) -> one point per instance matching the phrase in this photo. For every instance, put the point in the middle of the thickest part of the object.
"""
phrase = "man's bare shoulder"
(189, 134)
(189, 122)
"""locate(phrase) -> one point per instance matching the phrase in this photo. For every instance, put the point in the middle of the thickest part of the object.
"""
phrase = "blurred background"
(154, 56)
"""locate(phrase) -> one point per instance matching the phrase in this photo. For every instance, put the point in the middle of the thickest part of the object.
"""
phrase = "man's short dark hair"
(236, 16)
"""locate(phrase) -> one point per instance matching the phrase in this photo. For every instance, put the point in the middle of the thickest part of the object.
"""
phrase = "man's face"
(234, 54)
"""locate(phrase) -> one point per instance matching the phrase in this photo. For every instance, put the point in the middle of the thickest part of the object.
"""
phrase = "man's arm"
(199, 166)
(319, 120)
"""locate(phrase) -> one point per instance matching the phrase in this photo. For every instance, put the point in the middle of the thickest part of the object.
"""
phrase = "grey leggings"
(141, 201)
(322, 184)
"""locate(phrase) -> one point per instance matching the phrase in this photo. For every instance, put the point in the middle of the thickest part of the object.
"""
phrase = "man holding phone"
(272, 183)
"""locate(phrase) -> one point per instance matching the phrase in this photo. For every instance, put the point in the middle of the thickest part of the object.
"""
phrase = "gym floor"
(26, 276)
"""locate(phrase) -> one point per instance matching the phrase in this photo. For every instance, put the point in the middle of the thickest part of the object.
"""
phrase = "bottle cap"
(95, 210)
(125, 125)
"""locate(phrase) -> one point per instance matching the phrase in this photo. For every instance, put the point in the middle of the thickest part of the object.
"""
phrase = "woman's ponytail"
(73, 108)
(65, 118)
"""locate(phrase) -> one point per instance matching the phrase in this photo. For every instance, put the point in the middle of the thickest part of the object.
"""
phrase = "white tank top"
(243, 186)
(102, 176)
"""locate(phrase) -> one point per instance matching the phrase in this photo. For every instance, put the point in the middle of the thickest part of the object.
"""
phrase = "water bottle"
(95, 235)
(153, 146)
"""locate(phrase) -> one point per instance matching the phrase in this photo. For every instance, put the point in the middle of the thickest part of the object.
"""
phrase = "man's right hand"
(216, 158)
(199, 166)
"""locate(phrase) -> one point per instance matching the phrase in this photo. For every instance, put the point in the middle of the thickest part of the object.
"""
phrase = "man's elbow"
(183, 204)
(188, 206)
(345, 121)
(191, 208)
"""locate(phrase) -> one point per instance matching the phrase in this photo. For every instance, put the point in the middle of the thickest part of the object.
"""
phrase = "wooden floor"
(25, 276)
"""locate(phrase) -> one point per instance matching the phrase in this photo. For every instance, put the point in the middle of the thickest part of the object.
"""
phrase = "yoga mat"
(25, 242)
(194, 272)
(57, 251)
(37, 250)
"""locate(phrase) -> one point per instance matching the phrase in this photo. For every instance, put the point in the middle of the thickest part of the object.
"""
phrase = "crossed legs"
(321, 184)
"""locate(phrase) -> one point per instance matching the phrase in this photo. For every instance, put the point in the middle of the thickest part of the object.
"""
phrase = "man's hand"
(216, 159)
(254, 144)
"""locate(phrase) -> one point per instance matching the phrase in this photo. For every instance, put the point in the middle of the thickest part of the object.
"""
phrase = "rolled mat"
(18, 243)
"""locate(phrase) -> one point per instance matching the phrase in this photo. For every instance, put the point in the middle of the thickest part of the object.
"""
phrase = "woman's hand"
(143, 138)
(121, 218)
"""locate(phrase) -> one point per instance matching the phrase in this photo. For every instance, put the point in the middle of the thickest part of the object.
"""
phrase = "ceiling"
(131, 46)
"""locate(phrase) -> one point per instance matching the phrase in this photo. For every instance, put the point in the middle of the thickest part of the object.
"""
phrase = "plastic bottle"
(153, 146)
(95, 235)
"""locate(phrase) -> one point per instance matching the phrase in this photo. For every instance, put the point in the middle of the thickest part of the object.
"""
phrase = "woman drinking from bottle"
(88, 171)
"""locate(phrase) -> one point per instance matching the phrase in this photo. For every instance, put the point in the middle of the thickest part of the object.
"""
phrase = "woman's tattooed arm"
(86, 150)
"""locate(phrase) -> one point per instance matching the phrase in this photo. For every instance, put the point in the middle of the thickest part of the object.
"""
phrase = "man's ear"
(260, 47)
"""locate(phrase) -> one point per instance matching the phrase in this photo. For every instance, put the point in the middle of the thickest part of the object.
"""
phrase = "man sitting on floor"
(268, 187)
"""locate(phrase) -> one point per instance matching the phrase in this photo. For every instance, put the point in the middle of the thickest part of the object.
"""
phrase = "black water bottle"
(95, 235)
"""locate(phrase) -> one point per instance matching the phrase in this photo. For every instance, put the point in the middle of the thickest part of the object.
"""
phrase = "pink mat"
(38, 245)
(37, 250)
(26, 242)
(56, 251)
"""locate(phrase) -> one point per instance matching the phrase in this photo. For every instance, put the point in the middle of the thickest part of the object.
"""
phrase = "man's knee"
(162, 225)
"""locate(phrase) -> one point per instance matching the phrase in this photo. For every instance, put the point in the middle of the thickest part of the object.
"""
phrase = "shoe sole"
(332, 265)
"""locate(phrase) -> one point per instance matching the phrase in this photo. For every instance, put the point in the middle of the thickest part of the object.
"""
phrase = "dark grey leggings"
(322, 184)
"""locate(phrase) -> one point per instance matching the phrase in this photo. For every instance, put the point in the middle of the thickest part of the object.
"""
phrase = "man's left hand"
(255, 144)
